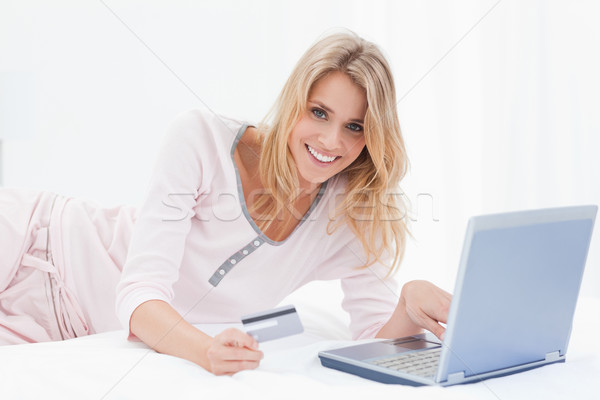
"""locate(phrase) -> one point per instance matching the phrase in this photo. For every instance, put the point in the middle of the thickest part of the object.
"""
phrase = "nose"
(331, 138)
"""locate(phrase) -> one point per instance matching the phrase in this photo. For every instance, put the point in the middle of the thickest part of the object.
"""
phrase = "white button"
(222, 271)
(245, 252)
(232, 261)
(256, 242)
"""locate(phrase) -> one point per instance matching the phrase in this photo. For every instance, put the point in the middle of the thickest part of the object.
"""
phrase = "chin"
(313, 180)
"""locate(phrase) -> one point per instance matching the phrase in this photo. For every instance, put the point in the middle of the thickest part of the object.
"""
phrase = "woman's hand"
(426, 305)
(162, 328)
(232, 351)
(422, 305)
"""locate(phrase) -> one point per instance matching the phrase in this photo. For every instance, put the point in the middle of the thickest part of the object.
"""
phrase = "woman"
(236, 217)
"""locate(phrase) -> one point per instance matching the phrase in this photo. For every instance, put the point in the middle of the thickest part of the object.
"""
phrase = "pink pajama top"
(195, 246)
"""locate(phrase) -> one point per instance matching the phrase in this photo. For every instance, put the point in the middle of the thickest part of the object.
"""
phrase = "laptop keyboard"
(421, 363)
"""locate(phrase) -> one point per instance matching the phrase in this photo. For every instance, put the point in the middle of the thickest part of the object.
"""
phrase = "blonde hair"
(378, 169)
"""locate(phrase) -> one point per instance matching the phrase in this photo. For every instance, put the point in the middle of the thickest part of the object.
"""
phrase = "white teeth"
(319, 156)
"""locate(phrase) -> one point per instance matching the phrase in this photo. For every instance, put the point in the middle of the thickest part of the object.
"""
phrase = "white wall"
(499, 113)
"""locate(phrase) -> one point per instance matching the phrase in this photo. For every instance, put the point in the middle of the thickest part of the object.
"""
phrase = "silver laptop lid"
(516, 290)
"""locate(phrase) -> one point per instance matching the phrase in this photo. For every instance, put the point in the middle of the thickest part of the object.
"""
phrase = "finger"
(448, 299)
(437, 291)
(232, 367)
(447, 296)
(430, 324)
(440, 313)
(437, 330)
(235, 337)
(433, 314)
(241, 354)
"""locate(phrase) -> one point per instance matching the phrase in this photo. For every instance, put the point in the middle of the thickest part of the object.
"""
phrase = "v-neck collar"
(243, 200)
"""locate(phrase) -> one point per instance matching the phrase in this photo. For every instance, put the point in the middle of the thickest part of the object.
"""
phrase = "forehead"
(339, 92)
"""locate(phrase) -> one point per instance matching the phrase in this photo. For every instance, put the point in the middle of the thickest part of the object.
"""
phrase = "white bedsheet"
(106, 366)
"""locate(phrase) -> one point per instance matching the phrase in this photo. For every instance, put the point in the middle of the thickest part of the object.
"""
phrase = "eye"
(317, 112)
(355, 127)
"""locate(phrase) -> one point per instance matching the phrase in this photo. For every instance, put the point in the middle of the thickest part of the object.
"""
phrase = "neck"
(308, 188)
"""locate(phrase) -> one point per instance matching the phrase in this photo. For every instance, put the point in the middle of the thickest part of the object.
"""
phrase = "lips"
(320, 157)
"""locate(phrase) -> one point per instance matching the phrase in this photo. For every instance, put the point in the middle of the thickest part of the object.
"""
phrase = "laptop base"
(367, 373)
(391, 379)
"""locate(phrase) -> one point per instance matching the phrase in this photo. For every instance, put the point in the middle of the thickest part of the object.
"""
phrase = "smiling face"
(330, 134)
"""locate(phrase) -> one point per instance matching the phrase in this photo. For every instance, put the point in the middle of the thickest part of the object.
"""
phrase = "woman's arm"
(421, 305)
(182, 173)
(158, 325)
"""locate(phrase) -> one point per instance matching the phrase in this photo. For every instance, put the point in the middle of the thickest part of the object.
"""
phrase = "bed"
(106, 366)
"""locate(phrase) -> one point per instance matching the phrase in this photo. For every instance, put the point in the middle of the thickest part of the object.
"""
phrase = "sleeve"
(370, 297)
(164, 220)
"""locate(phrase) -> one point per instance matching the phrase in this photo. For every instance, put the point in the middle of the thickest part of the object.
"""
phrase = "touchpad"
(382, 348)
(403, 345)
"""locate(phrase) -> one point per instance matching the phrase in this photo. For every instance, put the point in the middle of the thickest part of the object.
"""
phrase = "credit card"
(273, 324)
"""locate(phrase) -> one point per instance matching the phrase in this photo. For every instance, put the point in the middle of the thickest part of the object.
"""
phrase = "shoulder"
(204, 130)
(205, 120)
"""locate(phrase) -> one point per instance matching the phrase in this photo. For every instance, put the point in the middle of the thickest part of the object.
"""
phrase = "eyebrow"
(329, 110)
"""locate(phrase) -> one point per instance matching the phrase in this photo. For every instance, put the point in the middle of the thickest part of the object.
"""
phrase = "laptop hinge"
(456, 377)
(555, 355)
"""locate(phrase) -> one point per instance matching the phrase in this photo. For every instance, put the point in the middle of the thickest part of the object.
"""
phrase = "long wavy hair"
(372, 206)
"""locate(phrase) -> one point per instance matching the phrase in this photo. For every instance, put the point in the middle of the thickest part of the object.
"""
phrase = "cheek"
(299, 132)
(306, 128)
(355, 147)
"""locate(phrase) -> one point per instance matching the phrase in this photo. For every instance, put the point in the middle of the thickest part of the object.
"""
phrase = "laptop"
(512, 310)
